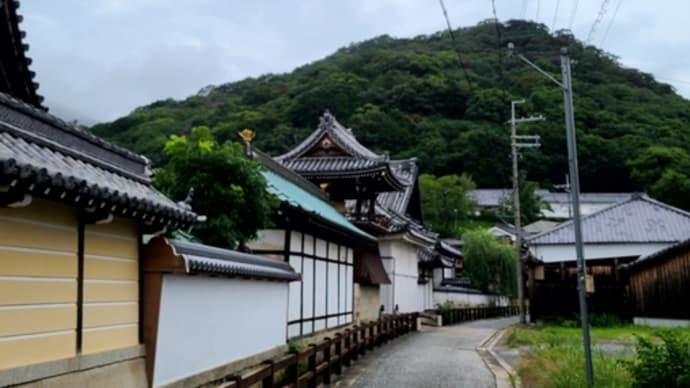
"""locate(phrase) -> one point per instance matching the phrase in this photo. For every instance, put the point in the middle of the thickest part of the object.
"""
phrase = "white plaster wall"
(566, 252)
(468, 299)
(563, 210)
(660, 322)
(207, 322)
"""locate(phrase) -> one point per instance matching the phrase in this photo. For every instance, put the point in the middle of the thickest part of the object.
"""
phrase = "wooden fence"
(473, 313)
(317, 363)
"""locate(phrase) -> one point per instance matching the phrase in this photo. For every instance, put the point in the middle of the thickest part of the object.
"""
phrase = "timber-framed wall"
(324, 298)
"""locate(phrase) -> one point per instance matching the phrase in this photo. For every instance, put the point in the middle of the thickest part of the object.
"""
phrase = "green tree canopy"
(531, 204)
(228, 189)
(445, 202)
(489, 263)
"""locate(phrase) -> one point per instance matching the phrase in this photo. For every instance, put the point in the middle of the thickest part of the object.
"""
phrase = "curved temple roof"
(15, 77)
(333, 152)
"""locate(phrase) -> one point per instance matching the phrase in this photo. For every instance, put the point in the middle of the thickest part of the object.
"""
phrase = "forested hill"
(411, 97)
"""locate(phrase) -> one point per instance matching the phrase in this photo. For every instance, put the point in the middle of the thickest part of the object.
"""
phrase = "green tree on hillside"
(445, 202)
(228, 188)
(663, 173)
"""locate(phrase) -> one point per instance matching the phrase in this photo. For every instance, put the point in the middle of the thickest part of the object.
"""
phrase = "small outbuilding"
(658, 285)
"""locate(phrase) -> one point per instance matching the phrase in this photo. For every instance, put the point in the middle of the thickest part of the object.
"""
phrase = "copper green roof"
(298, 197)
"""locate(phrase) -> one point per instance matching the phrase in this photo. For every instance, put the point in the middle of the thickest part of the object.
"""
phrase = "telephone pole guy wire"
(457, 48)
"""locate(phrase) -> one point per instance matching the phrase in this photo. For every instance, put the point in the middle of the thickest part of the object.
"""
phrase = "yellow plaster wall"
(111, 286)
(38, 287)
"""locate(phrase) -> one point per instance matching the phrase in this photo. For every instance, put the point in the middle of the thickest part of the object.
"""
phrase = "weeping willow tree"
(490, 264)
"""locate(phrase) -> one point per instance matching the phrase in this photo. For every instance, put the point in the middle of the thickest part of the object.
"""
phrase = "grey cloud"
(99, 59)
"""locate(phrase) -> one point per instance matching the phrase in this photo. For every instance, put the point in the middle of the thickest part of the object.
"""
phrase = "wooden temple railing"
(319, 362)
(464, 314)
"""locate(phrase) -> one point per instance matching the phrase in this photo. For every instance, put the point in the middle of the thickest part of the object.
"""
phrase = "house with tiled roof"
(626, 230)
(380, 196)
(612, 237)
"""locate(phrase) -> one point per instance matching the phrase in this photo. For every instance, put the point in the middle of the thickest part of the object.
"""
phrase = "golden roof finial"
(247, 135)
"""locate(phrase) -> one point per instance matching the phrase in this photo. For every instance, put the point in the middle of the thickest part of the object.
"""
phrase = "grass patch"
(562, 366)
(556, 357)
(553, 335)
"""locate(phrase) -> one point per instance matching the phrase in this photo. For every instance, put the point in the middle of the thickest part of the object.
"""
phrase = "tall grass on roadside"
(562, 366)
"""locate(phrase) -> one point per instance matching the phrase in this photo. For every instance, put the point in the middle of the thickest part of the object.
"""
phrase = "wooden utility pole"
(529, 141)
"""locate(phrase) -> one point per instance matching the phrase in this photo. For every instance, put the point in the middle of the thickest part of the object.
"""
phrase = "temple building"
(330, 253)
(73, 209)
(381, 196)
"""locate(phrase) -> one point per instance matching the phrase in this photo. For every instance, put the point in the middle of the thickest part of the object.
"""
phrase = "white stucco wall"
(566, 252)
(207, 322)
(401, 263)
(468, 299)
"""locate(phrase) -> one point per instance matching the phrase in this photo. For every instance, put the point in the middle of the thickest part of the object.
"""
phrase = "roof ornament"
(187, 202)
(247, 136)
(326, 120)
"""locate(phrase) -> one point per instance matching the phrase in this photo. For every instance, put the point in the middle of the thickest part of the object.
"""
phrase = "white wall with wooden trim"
(207, 322)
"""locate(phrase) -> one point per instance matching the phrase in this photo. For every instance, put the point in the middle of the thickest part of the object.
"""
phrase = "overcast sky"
(97, 60)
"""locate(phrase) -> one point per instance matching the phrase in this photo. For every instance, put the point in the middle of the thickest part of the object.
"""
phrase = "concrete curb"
(505, 375)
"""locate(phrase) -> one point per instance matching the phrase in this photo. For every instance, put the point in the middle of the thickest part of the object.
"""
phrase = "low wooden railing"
(464, 314)
(317, 363)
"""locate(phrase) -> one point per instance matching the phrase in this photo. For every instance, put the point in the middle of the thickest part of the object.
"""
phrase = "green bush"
(295, 347)
(604, 320)
(665, 364)
(445, 306)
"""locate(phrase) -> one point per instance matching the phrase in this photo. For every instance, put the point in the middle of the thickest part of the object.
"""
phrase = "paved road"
(436, 357)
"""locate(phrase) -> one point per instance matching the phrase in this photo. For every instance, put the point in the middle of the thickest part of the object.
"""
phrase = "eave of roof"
(298, 197)
(18, 79)
(661, 254)
(199, 258)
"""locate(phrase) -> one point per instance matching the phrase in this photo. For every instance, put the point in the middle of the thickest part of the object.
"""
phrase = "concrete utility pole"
(566, 86)
(514, 145)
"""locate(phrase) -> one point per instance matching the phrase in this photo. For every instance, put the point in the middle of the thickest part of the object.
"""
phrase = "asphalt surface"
(434, 357)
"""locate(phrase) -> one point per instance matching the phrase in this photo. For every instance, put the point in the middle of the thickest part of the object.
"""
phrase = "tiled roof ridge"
(60, 124)
(57, 147)
(593, 214)
(341, 135)
(635, 197)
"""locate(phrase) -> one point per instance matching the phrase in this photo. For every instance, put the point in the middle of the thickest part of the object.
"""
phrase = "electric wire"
(457, 48)
(523, 12)
(608, 28)
(499, 42)
(537, 16)
(555, 15)
(573, 13)
(597, 20)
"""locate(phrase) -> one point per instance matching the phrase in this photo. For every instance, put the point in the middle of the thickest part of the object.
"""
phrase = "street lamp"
(566, 85)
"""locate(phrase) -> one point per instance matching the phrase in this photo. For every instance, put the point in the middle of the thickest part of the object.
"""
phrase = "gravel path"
(435, 357)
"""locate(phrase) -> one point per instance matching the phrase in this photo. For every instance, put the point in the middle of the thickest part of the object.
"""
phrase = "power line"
(457, 48)
(608, 28)
(573, 13)
(537, 17)
(597, 20)
(499, 44)
(555, 15)
(523, 12)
